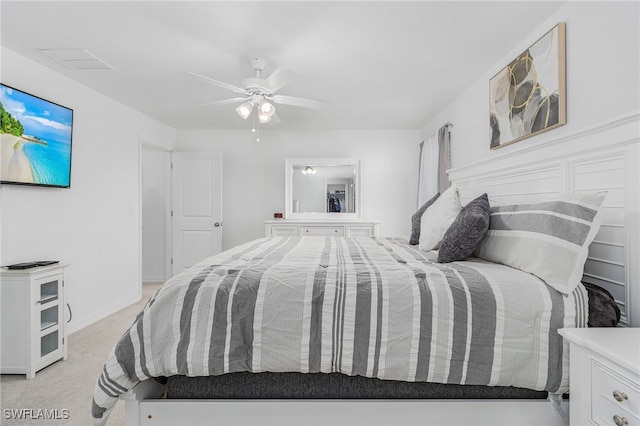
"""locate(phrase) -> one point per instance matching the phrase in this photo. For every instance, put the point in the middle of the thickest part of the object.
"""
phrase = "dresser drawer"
(284, 231)
(359, 231)
(612, 394)
(322, 230)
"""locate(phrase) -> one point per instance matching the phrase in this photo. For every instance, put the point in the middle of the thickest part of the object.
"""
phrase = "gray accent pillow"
(466, 232)
(414, 239)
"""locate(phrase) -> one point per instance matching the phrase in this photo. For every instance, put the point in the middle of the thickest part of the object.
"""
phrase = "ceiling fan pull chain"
(256, 126)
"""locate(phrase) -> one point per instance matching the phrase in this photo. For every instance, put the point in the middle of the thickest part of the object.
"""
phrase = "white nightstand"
(604, 375)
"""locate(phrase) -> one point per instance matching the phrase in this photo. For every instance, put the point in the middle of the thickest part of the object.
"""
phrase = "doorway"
(156, 213)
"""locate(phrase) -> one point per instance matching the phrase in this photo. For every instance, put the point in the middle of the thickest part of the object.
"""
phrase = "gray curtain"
(428, 168)
(420, 171)
(444, 158)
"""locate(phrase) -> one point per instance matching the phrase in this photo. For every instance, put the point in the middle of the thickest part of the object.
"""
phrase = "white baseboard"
(74, 326)
(153, 279)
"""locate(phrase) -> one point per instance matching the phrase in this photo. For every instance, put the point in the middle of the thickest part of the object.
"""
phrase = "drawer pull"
(620, 421)
(620, 396)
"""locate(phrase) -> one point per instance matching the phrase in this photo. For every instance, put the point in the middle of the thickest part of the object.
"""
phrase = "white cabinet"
(33, 325)
(289, 228)
(604, 375)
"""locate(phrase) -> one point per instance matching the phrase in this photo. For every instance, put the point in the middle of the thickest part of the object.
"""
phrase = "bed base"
(143, 406)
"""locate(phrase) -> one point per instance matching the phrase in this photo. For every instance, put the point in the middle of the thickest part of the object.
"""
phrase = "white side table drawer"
(322, 230)
(614, 395)
(606, 412)
(603, 361)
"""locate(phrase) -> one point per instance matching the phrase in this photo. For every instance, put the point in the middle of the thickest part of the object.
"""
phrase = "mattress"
(244, 385)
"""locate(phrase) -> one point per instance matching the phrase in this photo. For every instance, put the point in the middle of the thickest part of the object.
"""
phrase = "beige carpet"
(68, 385)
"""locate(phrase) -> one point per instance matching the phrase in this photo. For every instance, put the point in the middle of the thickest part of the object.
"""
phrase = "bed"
(375, 309)
(343, 354)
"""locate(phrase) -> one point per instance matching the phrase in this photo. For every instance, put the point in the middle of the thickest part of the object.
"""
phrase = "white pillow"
(438, 218)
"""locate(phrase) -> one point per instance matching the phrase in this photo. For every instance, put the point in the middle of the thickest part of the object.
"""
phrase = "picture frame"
(528, 96)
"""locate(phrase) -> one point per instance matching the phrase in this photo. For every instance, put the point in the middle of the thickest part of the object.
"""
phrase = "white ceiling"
(380, 65)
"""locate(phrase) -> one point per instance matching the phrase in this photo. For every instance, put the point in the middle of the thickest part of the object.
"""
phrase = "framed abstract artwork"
(528, 96)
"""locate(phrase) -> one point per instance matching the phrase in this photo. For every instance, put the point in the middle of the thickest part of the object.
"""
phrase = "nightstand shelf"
(33, 326)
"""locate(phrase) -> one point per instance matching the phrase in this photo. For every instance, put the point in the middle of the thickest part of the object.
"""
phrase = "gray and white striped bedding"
(360, 306)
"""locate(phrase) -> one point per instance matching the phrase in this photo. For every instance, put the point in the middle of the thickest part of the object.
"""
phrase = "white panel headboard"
(608, 160)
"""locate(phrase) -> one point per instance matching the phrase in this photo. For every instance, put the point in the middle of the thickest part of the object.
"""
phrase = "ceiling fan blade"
(218, 83)
(225, 101)
(279, 78)
(300, 102)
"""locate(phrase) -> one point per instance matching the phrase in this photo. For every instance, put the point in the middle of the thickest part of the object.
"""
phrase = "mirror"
(322, 188)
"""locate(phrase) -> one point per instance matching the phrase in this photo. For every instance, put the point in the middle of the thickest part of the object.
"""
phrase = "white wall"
(603, 106)
(603, 42)
(94, 225)
(253, 173)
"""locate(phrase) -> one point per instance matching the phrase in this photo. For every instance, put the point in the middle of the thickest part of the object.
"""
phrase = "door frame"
(145, 144)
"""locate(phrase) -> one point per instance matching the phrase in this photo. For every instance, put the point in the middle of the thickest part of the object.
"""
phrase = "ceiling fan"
(259, 94)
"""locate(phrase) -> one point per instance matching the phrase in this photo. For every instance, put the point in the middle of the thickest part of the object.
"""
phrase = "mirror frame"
(290, 163)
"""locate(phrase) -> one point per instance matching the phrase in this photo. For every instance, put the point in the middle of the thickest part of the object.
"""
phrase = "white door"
(197, 212)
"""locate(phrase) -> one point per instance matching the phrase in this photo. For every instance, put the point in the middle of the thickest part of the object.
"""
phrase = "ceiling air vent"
(77, 59)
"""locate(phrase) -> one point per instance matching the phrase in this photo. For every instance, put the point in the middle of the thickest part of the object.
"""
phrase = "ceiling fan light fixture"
(267, 108)
(264, 118)
(244, 109)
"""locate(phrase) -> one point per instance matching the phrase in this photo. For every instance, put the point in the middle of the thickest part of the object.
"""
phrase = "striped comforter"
(359, 306)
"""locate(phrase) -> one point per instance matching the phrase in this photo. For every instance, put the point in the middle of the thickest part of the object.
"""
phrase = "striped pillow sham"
(549, 239)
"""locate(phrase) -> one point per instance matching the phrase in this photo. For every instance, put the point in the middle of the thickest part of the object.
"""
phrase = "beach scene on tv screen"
(35, 139)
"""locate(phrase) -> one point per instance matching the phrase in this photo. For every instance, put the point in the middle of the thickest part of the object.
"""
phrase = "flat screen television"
(35, 139)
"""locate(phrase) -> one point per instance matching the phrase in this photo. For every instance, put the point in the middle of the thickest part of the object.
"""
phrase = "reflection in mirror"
(322, 188)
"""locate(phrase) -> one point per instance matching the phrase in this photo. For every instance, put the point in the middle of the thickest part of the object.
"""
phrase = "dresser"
(33, 325)
(604, 375)
(349, 228)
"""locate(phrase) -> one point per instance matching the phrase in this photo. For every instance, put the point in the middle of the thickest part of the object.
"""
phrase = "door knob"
(217, 224)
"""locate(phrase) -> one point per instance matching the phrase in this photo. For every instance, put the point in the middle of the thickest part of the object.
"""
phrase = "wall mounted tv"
(35, 139)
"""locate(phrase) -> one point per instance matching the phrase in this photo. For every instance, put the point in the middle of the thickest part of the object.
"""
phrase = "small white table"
(604, 375)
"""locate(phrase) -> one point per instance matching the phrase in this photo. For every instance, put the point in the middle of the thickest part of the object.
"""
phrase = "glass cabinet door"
(50, 315)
